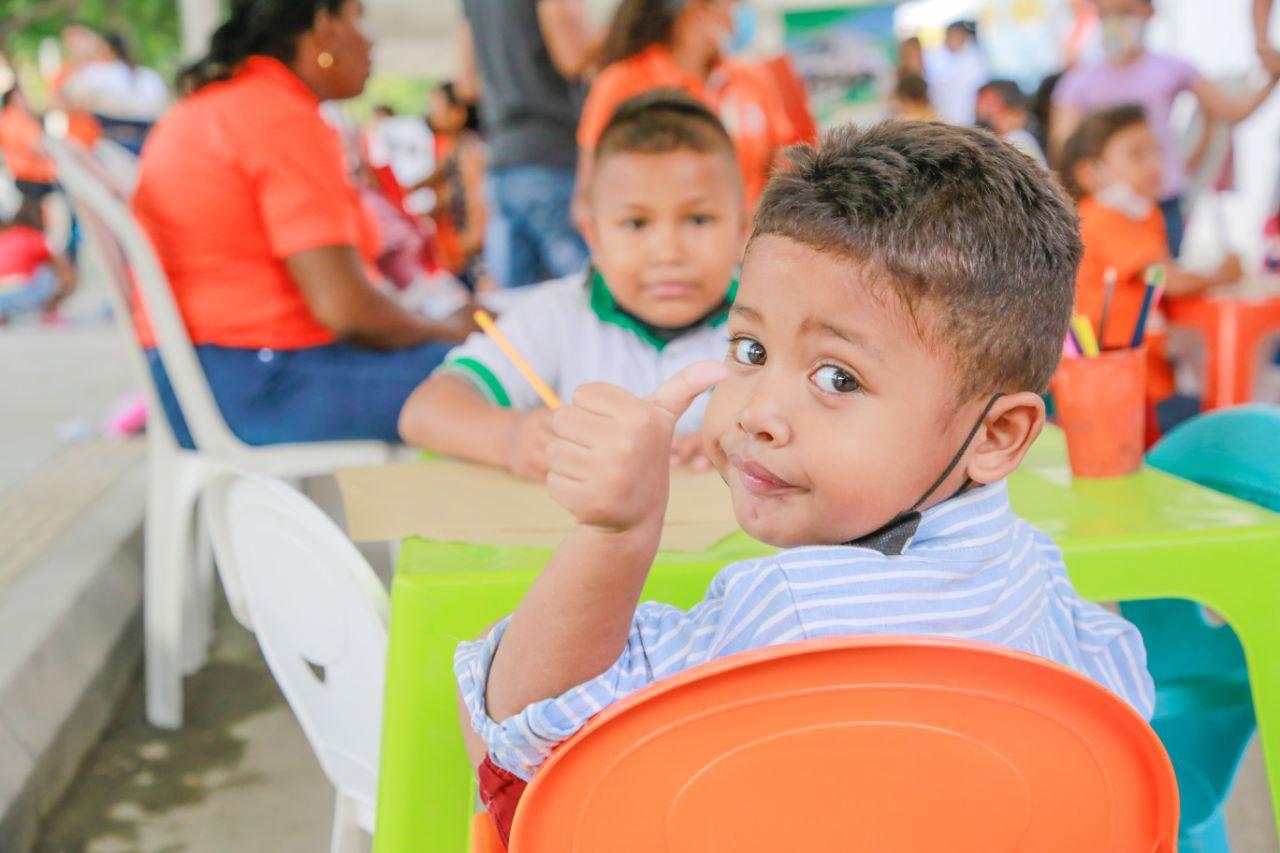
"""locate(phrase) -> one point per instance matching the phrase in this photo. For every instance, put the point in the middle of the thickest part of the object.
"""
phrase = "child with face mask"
(1130, 74)
(881, 381)
(1111, 165)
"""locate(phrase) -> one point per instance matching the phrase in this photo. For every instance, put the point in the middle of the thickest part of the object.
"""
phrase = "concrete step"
(70, 607)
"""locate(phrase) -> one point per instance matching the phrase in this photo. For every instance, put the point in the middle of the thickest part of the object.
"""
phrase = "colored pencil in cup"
(1155, 281)
(486, 324)
(1108, 290)
(1084, 335)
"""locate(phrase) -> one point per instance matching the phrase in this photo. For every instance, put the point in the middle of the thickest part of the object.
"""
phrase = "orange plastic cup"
(1101, 406)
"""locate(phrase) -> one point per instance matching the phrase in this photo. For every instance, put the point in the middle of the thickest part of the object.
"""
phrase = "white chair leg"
(198, 633)
(173, 484)
(348, 837)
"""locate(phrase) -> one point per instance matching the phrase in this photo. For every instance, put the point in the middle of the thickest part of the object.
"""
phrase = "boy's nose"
(761, 417)
(665, 243)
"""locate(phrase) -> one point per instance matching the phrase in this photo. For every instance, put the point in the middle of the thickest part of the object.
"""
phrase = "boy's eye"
(700, 219)
(836, 381)
(633, 224)
(747, 351)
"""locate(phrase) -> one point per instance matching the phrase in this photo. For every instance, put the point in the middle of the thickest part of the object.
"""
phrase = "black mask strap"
(955, 460)
(893, 537)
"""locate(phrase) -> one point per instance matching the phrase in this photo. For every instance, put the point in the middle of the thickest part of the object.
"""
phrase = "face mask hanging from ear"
(893, 537)
(1122, 35)
(1121, 197)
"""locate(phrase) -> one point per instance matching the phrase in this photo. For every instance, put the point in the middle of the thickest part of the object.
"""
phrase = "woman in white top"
(125, 98)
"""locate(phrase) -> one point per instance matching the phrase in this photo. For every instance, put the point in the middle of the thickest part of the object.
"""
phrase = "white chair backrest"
(320, 616)
(128, 258)
(104, 255)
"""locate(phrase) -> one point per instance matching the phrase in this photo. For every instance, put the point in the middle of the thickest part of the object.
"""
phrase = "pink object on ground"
(128, 416)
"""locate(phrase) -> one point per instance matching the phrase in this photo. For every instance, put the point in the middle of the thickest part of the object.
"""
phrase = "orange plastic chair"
(1233, 331)
(876, 743)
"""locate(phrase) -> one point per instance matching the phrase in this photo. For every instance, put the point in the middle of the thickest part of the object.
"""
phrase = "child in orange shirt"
(680, 44)
(20, 140)
(1111, 166)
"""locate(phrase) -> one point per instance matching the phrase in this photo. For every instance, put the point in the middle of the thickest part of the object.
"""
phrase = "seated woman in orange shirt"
(20, 140)
(1111, 166)
(658, 44)
(243, 193)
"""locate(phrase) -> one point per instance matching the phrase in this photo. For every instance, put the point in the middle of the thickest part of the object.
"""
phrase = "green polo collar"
(609, 311)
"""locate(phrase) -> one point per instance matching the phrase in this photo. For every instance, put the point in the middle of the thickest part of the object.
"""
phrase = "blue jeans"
(530, 236)
(336, 392)
(30, 297)
(1174, 224)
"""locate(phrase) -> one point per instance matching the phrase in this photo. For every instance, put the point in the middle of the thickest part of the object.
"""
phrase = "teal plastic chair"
(1204, 710)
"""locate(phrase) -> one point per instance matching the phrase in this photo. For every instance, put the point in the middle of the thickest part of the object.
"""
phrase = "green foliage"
(151, 27)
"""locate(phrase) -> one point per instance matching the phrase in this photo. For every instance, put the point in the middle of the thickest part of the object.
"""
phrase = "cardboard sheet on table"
(449, 501)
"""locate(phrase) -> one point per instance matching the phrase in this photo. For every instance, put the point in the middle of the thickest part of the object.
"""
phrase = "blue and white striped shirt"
(972, 570)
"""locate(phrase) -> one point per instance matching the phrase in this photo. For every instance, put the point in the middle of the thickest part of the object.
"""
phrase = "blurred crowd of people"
(1105, 125)
(97, 93)
(484, 187)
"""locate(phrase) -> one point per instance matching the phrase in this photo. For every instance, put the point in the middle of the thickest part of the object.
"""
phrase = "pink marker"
(1069, 348)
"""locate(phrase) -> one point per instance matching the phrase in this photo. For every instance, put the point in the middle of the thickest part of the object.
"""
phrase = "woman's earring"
(325, 59)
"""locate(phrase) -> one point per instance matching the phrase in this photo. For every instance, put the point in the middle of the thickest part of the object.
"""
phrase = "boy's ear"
(586, 223)
(1008, 431)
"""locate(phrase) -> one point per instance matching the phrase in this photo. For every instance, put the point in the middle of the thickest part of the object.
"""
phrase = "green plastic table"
(1145, 536)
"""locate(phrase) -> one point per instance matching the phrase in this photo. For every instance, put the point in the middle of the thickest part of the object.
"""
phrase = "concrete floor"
(239, 776)
(55, 384)
(1249, 820)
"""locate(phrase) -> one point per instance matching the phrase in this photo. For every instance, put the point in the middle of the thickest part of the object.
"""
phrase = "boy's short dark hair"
(1090, 138)
(950, 219)
(1009, 93)
(661, 121)
(912, 88)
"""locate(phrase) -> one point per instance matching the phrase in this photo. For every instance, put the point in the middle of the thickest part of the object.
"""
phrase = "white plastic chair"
(320, 615)
(178, 573)
(119, 162)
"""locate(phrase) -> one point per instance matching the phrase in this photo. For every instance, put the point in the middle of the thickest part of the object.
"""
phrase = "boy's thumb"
(678, 393)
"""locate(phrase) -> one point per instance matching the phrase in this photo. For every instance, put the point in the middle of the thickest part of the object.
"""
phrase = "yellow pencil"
(485, 322)
(1084, 333)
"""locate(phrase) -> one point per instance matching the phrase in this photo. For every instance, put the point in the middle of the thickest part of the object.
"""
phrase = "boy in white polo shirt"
(666, 234)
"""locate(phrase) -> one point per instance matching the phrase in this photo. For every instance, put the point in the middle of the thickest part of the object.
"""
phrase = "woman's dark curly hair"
(254, 28)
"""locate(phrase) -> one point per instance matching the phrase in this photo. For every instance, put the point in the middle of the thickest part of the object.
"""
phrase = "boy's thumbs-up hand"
(609, 463)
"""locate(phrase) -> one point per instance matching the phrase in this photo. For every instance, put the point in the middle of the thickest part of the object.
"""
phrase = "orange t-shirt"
(1112, 239)
(20, 134)
(233, 180)
(745, 98)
